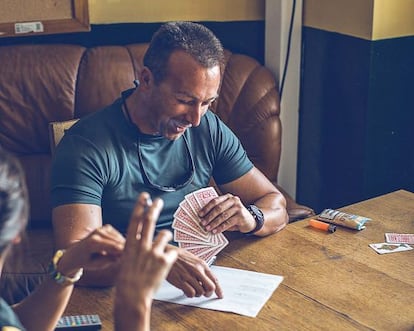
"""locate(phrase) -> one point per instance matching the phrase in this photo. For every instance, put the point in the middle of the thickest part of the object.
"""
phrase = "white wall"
(278, 14)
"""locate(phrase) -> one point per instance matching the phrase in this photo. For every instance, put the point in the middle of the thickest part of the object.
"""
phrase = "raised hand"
(144, 265)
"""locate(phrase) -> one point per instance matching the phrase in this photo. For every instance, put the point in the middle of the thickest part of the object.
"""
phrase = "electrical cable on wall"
(292, 18)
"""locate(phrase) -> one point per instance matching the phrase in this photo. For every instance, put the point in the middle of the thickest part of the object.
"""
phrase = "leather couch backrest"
(45, 83)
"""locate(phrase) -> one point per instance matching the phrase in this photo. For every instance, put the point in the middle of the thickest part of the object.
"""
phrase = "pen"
(322, 226)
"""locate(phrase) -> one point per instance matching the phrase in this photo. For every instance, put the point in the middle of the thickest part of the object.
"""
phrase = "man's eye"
(209, 103)
(186, 102)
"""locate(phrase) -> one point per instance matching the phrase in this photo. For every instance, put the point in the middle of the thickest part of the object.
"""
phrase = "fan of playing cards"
(188, 232)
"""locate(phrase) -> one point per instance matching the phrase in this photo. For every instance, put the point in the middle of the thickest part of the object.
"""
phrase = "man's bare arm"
(228, 211)
(74, 222)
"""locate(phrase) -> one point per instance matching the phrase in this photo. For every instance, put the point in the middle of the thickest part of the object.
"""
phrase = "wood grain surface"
(331, 281)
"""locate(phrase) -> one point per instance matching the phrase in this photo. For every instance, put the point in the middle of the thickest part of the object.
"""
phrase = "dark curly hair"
(192, 38)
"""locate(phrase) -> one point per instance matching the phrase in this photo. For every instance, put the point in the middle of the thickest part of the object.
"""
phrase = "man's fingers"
(105, 246)
(194, 288)
(219, 291)
(211, 205)
(109, 232)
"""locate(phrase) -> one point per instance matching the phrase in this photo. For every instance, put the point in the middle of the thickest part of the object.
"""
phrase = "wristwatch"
(258, 217)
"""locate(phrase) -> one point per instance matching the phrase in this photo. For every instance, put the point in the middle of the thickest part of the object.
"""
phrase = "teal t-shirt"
(100, 160)
(8, 319)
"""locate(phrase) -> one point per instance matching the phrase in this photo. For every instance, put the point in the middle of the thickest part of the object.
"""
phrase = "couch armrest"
(295, 210)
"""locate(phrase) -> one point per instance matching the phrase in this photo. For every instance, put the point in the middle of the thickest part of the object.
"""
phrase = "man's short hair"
(192, 38)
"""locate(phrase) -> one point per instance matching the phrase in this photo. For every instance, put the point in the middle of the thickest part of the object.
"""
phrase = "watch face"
(257, 211)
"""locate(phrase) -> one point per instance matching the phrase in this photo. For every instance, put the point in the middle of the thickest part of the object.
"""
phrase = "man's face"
(183, 97)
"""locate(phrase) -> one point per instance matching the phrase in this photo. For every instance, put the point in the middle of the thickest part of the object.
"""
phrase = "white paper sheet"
(245, 292)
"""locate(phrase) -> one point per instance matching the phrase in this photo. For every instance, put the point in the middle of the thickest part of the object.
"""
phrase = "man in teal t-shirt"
(101, 161)
(161, 138)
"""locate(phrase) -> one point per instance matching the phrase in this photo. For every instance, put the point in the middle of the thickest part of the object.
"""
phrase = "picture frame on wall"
(21, 18)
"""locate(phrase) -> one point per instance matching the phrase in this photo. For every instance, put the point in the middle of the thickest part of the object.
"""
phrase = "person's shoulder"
(104, 115)
(8, 320)
(96, 125)
(94, 133)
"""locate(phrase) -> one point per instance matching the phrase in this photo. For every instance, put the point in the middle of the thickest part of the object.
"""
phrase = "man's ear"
(146, 78)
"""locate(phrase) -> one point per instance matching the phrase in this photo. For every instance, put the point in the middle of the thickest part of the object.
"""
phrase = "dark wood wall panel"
(356, 116)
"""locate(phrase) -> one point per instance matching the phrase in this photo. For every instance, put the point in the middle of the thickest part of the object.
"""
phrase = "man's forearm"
(273, 207)
(102, 278)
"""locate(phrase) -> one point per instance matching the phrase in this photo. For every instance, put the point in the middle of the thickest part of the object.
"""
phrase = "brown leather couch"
(45, 83)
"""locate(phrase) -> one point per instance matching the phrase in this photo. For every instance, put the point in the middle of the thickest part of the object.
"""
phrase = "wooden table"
(332, 281)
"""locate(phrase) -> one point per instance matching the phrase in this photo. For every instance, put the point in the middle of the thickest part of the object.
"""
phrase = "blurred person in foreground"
(143, 262)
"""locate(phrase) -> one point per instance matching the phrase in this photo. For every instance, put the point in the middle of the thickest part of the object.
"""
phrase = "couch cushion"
(27, 266)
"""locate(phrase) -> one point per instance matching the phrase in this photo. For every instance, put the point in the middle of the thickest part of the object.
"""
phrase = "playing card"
(384, 248)
(200, 250)
(188, 232)
(222, 239)
(400, 238)
(183, 227)
(192, 203)
(204, 195)
(186, 245)
(208, 253)
(185, 217)
(211, 261)
(185, 237)
(185, 205)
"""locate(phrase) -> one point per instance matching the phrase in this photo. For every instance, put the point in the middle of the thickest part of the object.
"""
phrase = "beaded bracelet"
(57, 276)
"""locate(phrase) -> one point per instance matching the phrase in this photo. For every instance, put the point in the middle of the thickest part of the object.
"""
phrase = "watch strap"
(258, 217)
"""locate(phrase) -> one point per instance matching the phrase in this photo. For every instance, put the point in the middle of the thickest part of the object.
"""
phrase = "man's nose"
(194, 116)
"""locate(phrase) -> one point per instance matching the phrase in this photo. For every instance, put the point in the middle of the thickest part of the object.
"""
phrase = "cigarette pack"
(340, 218)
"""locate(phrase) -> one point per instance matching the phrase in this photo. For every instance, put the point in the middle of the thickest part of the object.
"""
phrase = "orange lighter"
(322, 226)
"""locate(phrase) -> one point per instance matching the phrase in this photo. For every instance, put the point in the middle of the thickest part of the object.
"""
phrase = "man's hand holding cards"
(188, 232)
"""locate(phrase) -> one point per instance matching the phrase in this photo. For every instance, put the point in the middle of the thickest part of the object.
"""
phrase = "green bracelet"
(57, 276)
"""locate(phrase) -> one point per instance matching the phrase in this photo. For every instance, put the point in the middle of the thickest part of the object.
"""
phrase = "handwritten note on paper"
(245, 292)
